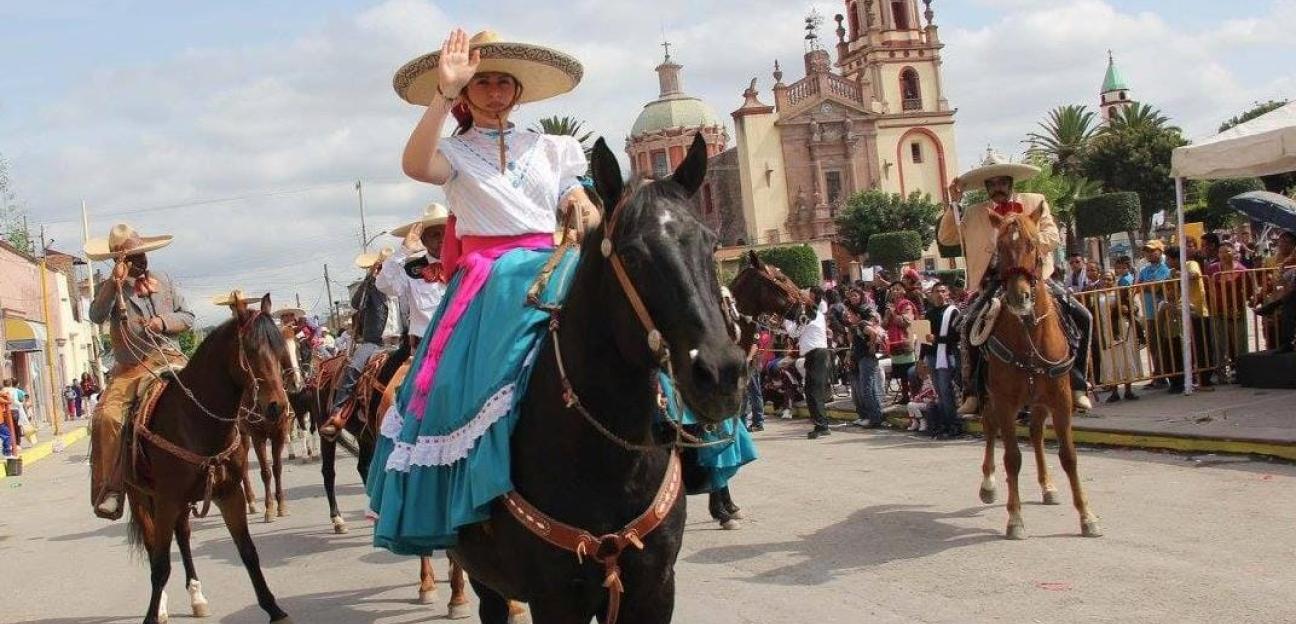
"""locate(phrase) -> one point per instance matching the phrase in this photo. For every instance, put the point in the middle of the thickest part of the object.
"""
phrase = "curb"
(1107, 437)
(45, 449)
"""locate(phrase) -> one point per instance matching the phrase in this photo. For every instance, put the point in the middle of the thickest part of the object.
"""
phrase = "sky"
(241, 127)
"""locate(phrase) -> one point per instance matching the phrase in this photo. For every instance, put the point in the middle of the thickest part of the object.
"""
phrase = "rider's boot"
(336, 422)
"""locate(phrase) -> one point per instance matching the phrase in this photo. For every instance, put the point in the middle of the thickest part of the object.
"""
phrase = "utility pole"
(298, 296)
(55, 396)
(96, 343)
(328, 289)
(364, 234)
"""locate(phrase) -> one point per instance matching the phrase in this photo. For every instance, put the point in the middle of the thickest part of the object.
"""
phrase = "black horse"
(601, 486)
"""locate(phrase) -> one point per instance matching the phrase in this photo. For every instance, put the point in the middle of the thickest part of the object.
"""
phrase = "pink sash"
(474, 255)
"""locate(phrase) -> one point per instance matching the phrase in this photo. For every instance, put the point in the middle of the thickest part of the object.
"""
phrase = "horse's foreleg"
(231, 507)
(276, 456)
(248, 493)
(259, 446)
(1012, 472)
(459, 594)
(197, 601)
(1039, 413)
(427, 581)
(493, 608)
(1067, 455)
(159, 552)
(989, 431)
(328, 454)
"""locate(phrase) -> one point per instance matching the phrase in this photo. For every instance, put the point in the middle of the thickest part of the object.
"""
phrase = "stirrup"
(336, 423)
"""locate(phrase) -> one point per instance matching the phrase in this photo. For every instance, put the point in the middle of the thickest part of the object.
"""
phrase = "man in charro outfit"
(371, 309)
(145, 312)
(978, 236)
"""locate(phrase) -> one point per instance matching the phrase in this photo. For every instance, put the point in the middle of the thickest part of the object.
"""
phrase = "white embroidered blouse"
(541, 169)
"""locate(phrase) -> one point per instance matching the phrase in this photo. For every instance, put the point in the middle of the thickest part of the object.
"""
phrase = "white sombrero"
(123, 241)
(433, 215)
(236, 295)
(366, 260)
(543, 72)
(996, 166)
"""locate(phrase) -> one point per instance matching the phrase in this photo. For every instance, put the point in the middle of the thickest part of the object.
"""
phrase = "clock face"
(827, 108)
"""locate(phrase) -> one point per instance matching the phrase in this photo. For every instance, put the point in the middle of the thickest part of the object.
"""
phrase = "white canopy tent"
(1263, 146)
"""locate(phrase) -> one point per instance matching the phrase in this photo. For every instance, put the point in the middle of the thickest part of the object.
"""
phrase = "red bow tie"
(1004, 208)
(431, 272)
(145, 286)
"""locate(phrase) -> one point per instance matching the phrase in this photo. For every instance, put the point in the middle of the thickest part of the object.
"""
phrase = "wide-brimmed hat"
(232, 296)
(122, 241)
(433, 214)
(996, 166)
(1153, 244)
(293, 311)
(366, 260)
(543, 72)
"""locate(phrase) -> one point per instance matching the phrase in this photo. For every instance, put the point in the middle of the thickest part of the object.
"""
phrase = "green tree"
(798, 262)
(13, 216)
(870, 212)
(889, 249)
(564, 126)
(1138, 116)
(1063, 137)
(1212, 208)
(1279, 183)
(1135, 157)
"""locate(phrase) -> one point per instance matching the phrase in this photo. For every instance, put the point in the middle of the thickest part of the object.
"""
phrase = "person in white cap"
(977, 235)
(145, 312)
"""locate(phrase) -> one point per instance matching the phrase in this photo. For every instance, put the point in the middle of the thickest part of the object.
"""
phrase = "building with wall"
(1115, 94)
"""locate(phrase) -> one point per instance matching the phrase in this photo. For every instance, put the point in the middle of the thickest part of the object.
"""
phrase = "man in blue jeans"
(940, 349)
(755, 400)
(867, 338)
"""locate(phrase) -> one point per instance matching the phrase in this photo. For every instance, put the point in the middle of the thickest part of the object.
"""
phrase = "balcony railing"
(912, 104)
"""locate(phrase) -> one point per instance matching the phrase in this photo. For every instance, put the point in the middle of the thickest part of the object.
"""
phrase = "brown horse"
(1028, 364)
(257, 432)
(186, 449)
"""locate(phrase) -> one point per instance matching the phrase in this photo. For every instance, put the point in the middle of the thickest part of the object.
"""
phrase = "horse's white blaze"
(693, 354)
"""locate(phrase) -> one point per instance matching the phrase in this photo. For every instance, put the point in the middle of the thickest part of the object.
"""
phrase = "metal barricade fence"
(1138, 330)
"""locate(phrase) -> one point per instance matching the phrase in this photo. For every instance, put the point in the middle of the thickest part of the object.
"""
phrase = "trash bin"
(13, 466)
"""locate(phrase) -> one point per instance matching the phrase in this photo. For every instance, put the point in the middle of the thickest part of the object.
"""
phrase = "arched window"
(910, 89)
(900, 14)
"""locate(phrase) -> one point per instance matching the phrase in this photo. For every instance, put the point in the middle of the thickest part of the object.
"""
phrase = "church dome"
(676, 112)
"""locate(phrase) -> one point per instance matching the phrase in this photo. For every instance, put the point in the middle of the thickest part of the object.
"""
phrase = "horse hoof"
(987, 496)
(339, 526)
(269, 516)
(427, 597)
(197, 601)
(1051, 497)
(200, 610)
(459, 612)
(1016, 532)
(283, 511)
(162, 615)
(1090, 529)
(292, 456)
(737, 514)
(252, 509)
(731, 525)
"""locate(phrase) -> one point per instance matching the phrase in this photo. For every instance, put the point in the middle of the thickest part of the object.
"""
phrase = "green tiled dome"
(674, 112)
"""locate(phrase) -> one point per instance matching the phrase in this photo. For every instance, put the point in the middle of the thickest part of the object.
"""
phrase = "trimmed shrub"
(1218, 214)
(892, 248)
(1108, 213)
(798, 262)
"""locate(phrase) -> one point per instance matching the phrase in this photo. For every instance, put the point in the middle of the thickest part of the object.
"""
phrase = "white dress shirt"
(419, 296)
(814, 334)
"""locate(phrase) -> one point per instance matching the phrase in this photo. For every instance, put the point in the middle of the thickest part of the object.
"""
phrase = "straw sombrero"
(123, 241)
(366, 260)
(996, 166)
(229, 298)
(292, 311)
(543, 72)
(434, 214)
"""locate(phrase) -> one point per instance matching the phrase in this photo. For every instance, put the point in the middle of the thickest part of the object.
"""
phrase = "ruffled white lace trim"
(444, 450)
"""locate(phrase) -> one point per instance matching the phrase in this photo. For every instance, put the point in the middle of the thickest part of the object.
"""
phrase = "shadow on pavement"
(888, 533)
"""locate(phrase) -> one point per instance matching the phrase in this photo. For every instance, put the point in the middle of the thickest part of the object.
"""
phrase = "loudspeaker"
(1267, 369)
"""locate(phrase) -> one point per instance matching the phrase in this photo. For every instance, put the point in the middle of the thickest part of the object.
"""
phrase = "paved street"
(858, 527)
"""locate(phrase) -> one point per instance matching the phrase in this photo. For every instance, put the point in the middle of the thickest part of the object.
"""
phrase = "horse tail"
(139, 531)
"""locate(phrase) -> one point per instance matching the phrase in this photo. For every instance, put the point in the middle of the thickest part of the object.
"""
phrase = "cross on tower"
(666, 45)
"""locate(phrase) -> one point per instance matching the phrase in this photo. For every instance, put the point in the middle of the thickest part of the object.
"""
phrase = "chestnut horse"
(186, 447)
(257, 432)
(1028, 363)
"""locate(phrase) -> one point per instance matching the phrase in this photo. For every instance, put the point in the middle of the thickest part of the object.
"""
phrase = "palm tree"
(1139, 116)
(1064, 136)
(569, 126)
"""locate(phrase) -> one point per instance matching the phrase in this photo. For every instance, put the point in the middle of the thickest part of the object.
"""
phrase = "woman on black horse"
(583, 449)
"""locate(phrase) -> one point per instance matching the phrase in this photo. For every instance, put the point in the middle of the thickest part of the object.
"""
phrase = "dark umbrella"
(1266, 207)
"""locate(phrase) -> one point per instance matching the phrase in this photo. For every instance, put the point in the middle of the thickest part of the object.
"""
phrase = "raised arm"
(421, 160)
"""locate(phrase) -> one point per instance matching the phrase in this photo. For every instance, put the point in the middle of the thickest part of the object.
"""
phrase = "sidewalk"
(1232, 419)
(72, 431)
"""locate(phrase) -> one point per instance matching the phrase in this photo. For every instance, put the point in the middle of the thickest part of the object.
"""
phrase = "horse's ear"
(996, 219)
(237, 305)
(265, 304)
(607, 174)
(692, 171)
(754, 260)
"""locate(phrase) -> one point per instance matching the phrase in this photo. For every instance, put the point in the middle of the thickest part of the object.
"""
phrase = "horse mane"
(262, 333)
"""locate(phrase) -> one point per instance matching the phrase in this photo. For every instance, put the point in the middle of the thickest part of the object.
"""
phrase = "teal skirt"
(440, 470)
(721, 462)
